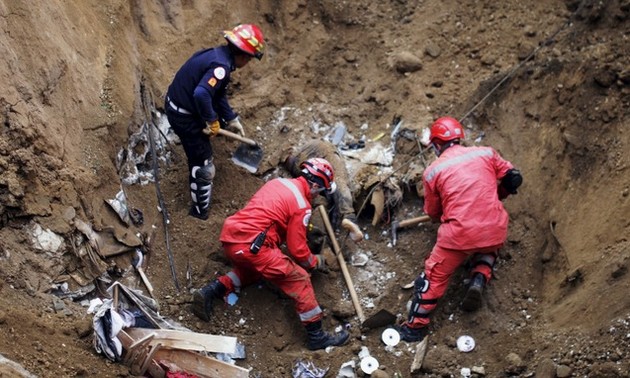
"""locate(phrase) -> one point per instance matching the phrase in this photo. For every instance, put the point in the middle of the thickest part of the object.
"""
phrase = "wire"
(544, 43)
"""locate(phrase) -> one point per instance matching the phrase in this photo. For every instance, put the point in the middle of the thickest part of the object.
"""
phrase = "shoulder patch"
(219, 73)
(212, 82)
(307, 218)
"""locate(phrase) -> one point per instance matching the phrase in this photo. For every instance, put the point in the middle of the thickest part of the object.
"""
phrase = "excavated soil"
(545, 83)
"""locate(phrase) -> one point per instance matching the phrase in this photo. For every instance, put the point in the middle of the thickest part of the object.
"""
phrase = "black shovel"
(248, 155)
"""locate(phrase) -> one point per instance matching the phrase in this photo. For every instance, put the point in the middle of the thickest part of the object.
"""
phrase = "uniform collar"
(230, 57)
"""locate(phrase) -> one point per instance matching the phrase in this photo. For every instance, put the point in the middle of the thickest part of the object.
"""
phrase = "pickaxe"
(404, 223)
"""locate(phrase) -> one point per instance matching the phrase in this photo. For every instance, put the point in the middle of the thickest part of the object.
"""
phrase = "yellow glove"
(212, 128)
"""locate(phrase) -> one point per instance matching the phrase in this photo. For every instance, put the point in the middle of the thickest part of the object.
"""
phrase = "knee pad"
(421, 286)
(201, 184)
(203, 174)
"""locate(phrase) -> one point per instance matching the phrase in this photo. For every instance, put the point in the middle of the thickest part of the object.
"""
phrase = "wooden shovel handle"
(232, 135)
(413, 221)
(342, 263)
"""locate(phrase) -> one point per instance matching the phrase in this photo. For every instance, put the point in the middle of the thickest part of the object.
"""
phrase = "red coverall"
(460, 189)
(283, 206)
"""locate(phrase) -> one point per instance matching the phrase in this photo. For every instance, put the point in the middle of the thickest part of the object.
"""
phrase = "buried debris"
(418, 359)
(307, 369)
(128, 329)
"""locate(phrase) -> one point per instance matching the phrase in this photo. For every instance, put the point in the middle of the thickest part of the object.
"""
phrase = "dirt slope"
(76, 76)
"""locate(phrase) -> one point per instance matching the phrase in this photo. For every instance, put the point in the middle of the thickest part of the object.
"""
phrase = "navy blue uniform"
(198, 95)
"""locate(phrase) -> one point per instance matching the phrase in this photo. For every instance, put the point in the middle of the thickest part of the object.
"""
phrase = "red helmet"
(320, 172)
(248, 38)
(446, 129)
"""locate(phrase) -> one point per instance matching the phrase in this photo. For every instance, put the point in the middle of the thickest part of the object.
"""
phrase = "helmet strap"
(440, 148)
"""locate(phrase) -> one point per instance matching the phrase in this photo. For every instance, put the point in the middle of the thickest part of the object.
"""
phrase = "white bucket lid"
(465, 343)
(390, 337)
(369, 365)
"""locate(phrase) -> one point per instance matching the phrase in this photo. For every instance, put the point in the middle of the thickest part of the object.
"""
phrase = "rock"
(563, 371)
(405, 62)
(605, 78)
(433, 50)
(608, 370)
(58, 304)
(378, 373)
(83, 327)
(516, 364)
(350, 57)
(529, 31)
(488, 60)
(479, 370)
(546, 369)
(524, 50)
(343, 310)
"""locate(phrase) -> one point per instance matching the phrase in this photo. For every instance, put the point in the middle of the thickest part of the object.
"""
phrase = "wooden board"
(202, 366)
(186, 340)
(190, 362)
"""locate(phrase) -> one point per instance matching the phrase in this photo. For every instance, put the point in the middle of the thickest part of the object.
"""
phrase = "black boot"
(202, 299)
(472, 299)
(318, 339)
(196, 212)
(411, 335)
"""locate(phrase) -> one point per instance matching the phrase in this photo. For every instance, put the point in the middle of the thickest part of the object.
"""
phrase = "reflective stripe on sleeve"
(296, 192)
(470, 155)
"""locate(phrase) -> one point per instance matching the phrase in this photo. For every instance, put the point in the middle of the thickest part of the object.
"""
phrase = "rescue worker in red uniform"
(461, 192)
(340, 203)
(279, 212)
(196, 105)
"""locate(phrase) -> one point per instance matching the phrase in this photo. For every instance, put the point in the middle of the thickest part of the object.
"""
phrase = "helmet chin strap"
(439, 149)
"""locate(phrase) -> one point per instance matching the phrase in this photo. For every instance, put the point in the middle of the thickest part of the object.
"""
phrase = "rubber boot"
(202, 299)
(318, 339)
(411, 335)
(472, 299)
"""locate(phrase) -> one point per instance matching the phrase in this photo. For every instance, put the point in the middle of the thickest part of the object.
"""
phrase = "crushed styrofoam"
(45, 239)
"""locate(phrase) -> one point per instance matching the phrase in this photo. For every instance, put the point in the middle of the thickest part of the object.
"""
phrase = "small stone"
(378, 373)
(58, 304)
(546, 369)
(405, 62)
(479, 370)
(433, 50)
(563, 371)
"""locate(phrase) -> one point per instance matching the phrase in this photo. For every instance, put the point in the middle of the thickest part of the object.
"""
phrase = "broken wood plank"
(186, 340)
(148, 358)
(188, 361)
(418, 359)
(203, 366)
(143, 340)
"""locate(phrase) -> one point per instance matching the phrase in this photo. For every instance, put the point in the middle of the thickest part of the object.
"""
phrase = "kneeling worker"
(278, 213)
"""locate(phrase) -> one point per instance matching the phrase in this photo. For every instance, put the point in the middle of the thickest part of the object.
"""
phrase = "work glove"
(321, 264)
(237, 126)
(355, 231)
(212, 128)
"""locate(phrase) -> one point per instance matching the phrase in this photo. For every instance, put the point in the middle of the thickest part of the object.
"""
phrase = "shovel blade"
(380, 319)
(248, 157)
